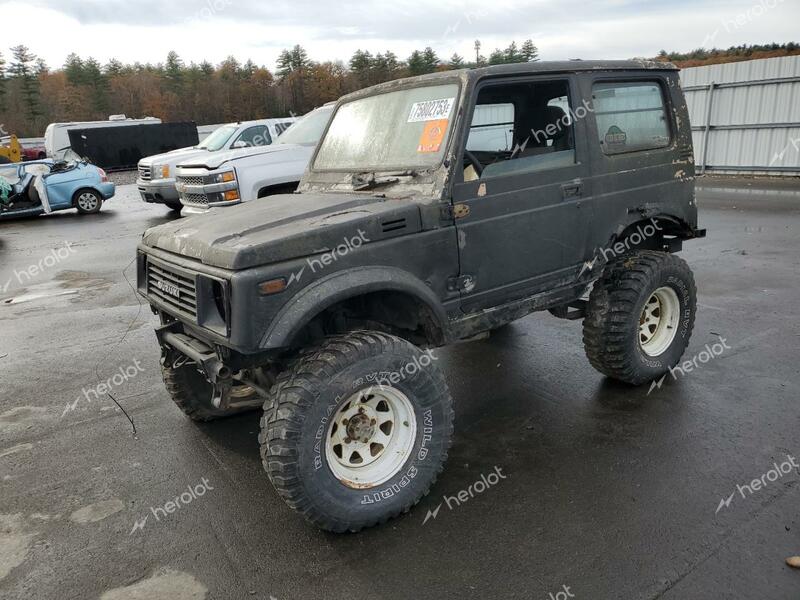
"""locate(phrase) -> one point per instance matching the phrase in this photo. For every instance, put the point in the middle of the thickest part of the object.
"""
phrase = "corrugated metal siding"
(772, 149)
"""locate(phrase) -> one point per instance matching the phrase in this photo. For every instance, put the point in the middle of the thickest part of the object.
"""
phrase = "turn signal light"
(228, 176)
(232, 195)
(165, 172)
(273, 286)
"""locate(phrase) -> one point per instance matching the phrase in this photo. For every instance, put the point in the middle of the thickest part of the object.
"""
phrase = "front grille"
(175, 289)
(192, 180)
(199, 199)
(145, 174)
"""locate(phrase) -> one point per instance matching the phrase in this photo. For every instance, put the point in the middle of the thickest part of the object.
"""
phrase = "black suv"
(435, 210)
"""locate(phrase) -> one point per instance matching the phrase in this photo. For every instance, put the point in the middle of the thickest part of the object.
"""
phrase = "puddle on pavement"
(97, 511)
(65, 283)
(15, 543)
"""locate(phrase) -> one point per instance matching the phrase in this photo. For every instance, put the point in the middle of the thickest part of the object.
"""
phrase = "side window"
(521, 128)
(630, 116)
(492, 128)
(253, 136)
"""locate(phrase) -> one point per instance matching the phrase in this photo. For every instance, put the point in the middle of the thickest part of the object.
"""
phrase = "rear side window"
(631, 117)
(255, 136)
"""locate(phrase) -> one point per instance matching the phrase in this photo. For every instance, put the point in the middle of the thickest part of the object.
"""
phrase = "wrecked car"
(44, 186)
(413, 229)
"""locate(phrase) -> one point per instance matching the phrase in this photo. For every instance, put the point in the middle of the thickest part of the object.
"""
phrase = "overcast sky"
(145, 30)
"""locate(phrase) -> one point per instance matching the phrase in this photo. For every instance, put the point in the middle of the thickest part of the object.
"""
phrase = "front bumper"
(159, 191)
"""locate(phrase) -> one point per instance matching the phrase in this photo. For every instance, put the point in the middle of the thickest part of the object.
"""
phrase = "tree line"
(82, 89)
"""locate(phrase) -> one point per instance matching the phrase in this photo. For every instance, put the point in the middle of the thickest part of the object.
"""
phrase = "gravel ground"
(123, 177)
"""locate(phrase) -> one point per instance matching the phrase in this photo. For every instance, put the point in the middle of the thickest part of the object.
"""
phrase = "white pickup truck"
(156, 180)
(228, 178)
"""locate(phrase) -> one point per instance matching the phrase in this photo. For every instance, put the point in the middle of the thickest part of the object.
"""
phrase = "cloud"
(199, 29)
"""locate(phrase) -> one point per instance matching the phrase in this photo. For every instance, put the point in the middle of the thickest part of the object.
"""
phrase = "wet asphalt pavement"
(608, 492)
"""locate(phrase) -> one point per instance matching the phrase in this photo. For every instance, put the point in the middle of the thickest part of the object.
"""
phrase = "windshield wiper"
(368, 181)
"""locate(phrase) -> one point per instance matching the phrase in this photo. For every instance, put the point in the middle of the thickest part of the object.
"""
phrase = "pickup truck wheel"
(640, 316)
(191, 393)
(357, 431)
(88, 202)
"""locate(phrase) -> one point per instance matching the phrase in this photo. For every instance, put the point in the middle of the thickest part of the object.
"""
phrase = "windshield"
(309, 129)
(396, 130)
(218, 139)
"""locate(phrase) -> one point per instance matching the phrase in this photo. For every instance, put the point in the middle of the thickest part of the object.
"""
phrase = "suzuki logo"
(168, 288)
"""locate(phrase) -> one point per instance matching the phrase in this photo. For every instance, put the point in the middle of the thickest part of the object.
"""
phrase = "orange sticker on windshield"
(432, 136)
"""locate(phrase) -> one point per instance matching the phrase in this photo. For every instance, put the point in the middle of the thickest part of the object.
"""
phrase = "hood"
(173, 157)
(215, 160)
(284, 227)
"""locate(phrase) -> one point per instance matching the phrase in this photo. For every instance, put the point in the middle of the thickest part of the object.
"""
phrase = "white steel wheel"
(371, 436)
(658, 323)
(88, 202)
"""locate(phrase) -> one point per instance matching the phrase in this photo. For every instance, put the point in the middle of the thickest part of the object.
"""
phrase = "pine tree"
(94, 78)
(2, 83)
(21, 70)
(416, 64)
(73, 69)
(173, 71)
(361, 65)
(430, 60)
(113, 67)
(529, 51)
(497, 57)
(512, 54)
(456, 62)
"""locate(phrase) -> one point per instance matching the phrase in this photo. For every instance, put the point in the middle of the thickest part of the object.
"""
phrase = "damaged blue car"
(45, 186)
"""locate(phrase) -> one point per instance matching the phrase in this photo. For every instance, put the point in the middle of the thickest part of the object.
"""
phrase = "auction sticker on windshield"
(432, 136)
(431, 110)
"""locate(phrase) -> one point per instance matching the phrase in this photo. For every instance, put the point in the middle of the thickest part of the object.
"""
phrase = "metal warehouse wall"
(749, 115)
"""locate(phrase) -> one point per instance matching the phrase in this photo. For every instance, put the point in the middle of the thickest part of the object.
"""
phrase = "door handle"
(572, 189)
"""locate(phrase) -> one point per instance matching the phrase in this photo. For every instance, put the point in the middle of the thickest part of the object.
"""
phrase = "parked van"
(56, 137)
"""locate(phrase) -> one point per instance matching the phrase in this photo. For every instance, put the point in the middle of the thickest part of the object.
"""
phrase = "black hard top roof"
(538, 67)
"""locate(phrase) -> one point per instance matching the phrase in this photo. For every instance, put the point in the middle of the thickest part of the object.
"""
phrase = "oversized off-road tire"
(191, 393)
(357, 431)
(640, 316)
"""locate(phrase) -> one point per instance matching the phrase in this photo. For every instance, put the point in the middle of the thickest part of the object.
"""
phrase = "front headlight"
(225, 177)
(160, 171)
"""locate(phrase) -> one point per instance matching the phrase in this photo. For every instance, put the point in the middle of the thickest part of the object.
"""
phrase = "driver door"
(523, 222)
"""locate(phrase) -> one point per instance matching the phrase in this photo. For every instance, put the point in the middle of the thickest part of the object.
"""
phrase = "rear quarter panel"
(633, 186)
